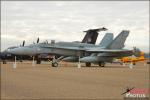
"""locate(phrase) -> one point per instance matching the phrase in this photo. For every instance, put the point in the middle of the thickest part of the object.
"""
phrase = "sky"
(66, 21)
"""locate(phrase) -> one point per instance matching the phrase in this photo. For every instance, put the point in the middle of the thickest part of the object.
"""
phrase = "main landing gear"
(38, 61)
(88, 64)
(102, 64)
(4, 62)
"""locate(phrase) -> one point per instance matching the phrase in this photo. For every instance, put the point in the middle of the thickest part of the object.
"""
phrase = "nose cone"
(16, 51)
(22, 51)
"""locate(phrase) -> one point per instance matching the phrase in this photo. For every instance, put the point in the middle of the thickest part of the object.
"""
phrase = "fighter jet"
(90, 38)
(104, 56)
(97, 54)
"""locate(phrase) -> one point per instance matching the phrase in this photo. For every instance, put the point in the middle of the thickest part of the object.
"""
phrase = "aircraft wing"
(109, 51)
(91, 50)
(67, 48)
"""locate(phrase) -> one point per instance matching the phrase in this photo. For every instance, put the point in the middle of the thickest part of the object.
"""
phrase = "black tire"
(99, 64)
(54, 64)
(38, 61)
(88, 64)
(102, 64)
(4, 62)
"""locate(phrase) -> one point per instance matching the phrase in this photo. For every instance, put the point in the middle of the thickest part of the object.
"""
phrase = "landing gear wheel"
(54, 64)
(38, 61)
(4, 62)
(88, 64)
(102, 64)
(99, 64)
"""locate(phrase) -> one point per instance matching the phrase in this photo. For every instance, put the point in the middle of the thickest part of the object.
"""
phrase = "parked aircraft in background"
(111, 51)
(134, 59)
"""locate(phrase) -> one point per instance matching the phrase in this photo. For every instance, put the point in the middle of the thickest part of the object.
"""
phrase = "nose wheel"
(54, 64)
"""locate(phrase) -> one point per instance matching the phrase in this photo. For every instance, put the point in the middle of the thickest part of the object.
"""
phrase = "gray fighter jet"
(90, 38)
(80, 50)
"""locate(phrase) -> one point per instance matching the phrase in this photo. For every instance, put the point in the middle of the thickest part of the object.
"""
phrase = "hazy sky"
(66, 21)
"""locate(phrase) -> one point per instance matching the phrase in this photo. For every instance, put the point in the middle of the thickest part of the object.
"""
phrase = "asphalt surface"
(69, 82)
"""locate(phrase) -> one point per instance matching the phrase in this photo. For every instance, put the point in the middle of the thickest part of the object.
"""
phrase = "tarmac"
(69, 82)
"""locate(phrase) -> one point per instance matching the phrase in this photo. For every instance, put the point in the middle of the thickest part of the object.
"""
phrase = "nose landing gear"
(54, 64)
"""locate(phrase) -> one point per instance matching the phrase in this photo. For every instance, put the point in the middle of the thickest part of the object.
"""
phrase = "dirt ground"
(69, 82)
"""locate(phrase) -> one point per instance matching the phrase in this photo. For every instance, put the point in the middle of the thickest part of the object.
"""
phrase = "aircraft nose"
(23, 51)
(16, 51)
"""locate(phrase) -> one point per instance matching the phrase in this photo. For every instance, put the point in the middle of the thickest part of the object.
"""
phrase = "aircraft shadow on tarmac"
(106, 67)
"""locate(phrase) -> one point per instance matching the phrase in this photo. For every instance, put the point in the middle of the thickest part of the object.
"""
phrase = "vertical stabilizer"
(107, 39)
(118, 42)
(91, 35)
